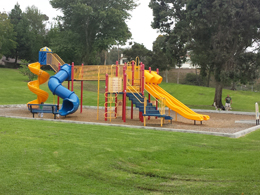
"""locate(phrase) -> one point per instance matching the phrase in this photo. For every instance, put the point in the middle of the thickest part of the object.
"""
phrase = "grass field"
(14, 90)
(40, 157)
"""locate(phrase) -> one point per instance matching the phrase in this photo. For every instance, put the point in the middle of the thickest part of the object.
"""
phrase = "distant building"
(122, 60)
(188, 64)
(9, 62)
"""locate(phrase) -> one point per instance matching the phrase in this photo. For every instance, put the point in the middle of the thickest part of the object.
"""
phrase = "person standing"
(228, 100)
(40, 114)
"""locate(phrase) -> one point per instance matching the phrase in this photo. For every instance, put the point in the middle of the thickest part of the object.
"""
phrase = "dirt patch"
(219, 122)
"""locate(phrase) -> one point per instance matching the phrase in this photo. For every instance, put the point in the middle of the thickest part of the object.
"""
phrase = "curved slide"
(70, 99)
(34, 86)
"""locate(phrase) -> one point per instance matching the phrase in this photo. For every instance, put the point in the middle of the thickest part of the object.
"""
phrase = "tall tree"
(96, 25)
(139, 50)
(114, 54)
(21, 28)
(162, 57)
(37, 30)
(222, 30)
(7, 38)
(60, 42)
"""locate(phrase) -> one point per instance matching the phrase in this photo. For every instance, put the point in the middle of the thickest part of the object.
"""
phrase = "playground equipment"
(43, 76)
(122, 81)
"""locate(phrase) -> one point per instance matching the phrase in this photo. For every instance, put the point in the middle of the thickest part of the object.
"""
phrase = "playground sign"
(257, 113)
(115, 84)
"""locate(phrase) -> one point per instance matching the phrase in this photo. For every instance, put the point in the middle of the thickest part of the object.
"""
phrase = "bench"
(43, 108)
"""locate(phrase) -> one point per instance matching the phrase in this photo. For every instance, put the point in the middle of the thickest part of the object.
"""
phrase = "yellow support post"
(98, 93)
(145, 104)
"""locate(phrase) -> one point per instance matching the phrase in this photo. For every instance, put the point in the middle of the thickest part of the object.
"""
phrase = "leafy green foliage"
(193, 79)
(30, 32)
(37, 30)
(216, 31)
(139, 50)
(21, 28)
(24, 70)
(7, 33)
(91, 26)
(160, 58)
(114, 54)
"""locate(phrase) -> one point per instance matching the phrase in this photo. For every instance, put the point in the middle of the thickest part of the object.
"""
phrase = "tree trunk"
(233, 86)
(178, 76)
(16, 58)
(166, 76)
(197, 77)
(105, 61)
(208, 79)
(218, 95)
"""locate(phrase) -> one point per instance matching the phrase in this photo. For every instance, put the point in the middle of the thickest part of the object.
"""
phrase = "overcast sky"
(140, 23)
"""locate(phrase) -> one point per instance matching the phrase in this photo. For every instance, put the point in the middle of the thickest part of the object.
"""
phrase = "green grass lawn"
(14, 90)
(41, 157)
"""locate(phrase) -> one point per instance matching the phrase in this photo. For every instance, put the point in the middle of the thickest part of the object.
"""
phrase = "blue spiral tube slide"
(70, 99)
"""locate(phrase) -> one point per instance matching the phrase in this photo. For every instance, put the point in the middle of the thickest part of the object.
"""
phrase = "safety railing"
(59, 59)
(136, 92)
(134, 74)
(54, 61)
(90, 72)
(160, 100)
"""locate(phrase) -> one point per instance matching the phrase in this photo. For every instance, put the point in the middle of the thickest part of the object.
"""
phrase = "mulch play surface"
(219, 122)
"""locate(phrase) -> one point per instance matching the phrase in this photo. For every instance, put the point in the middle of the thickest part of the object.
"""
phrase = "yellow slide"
(151, 86)
(34, 86)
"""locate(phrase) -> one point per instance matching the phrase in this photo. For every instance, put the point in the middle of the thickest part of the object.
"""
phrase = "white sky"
(140, 23)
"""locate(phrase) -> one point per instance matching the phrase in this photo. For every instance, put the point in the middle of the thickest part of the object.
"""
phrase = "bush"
(193, 79)
(24, 70)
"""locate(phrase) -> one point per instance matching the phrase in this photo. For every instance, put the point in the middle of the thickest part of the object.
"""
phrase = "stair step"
(150, 108)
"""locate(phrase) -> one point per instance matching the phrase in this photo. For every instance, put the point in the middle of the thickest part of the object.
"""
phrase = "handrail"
(53, 61)
(136, 92)
(133, 88)
(59, 59)
(154, 92)
(161, 102)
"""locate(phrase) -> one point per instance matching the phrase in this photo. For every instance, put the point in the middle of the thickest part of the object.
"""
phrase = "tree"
(36, 31)
(7, 33)
(24, 70)
(59, 41)
(114, 54)
(160, 58)
(21, 28)
(30, 30)
(222, 30)
(201, 59)
(95, 25)
(139, 50)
